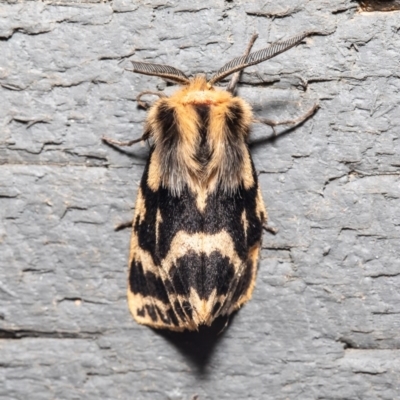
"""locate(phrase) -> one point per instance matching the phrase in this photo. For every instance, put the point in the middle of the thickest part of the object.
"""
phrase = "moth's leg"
(271, 229)
(294, 122)
(143, 104)
(113, 142)
(225, 325)
(123, 225)
(235, 77)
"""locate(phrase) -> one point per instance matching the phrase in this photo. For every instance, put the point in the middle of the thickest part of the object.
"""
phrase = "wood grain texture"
(324, 319)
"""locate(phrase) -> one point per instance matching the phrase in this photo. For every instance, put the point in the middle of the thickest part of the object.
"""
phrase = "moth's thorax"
(200, 135)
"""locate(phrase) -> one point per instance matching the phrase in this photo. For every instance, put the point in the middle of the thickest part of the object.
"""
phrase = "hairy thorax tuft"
(200, 135)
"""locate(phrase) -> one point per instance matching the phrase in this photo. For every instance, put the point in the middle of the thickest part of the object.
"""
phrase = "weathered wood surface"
(324, 322)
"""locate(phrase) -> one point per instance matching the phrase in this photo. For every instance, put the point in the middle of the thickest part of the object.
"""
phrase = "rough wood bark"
(324, 320)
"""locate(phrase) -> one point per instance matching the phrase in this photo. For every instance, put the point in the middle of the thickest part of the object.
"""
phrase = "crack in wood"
(31, 333)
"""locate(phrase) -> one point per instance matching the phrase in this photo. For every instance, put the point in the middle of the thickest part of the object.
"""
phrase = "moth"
(199, 214)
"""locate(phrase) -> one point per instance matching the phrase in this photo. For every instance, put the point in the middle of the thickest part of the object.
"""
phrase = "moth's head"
(198, 91)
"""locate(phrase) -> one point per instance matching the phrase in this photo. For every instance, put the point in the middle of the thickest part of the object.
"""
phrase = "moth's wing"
(189, 263)
(152, 298)
(242, 216)
(147, 296)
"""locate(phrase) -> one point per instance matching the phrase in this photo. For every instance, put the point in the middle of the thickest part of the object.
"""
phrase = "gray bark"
(324, 319)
